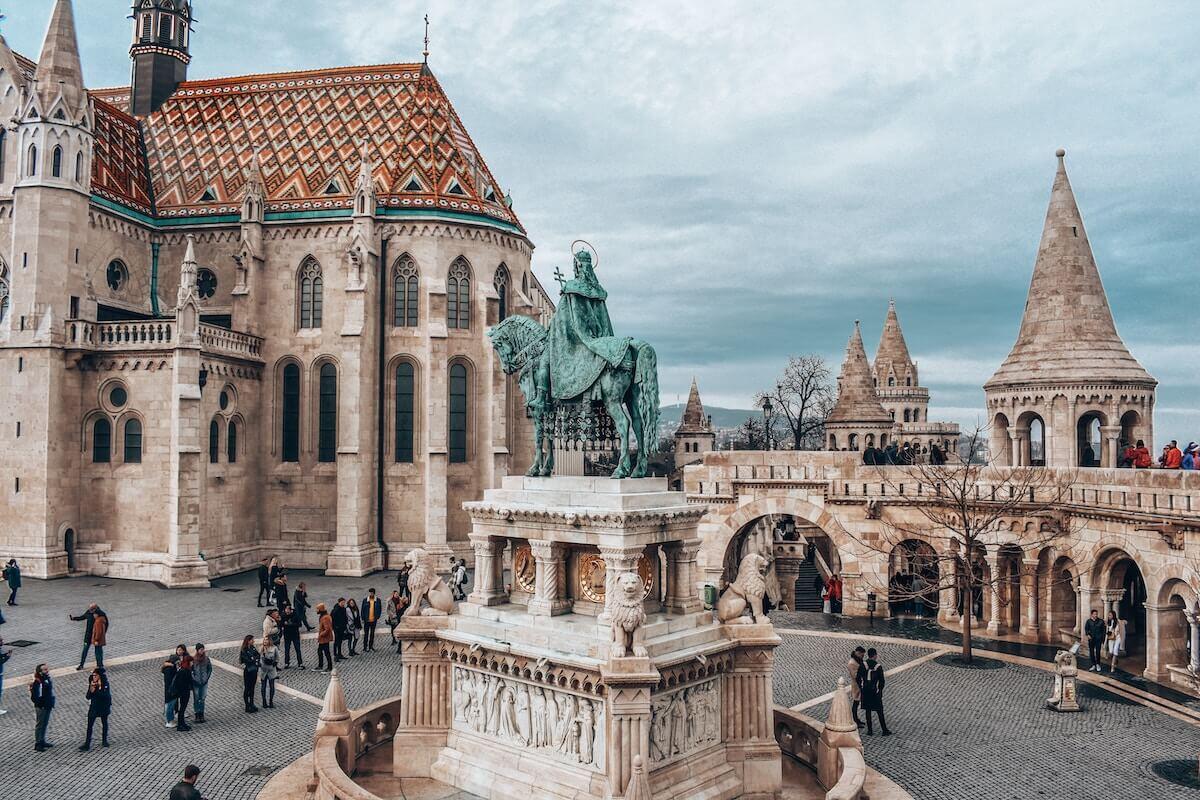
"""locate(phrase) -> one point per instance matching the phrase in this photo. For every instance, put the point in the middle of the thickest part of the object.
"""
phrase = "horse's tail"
(645, 380)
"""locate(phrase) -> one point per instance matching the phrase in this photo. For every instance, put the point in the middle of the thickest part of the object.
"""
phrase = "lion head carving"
(752, 575)
(628, 616)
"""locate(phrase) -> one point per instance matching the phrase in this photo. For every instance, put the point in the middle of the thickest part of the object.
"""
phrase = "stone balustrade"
(799, 737)
(334, 757)
(222, 341)
(157, 334)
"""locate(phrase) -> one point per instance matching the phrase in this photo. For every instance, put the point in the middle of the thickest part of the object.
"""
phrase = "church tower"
(1069, 394)
(161, 33)
(857, 420)
(694, 437)
(896, 374)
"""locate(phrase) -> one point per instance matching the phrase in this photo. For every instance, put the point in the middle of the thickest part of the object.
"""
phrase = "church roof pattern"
(120, 172)
(1067, 331)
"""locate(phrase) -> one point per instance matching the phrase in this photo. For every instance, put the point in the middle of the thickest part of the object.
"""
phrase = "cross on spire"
(425, 52)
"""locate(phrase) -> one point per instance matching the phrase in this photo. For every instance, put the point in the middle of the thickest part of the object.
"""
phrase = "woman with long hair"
(1115, 635)
(355, 624)
(270, 671)
(250, 661)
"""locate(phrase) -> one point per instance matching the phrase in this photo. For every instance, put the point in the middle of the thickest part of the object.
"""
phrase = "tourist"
(891, 454)
(1095, 632)
(250, 661)
(264, 582)
(5, 655)
(458, 579)
(402, 581)
(870, 681)
(917, 588)
(395, 607)
(324, 637)
(270, 625)
(341, 621)
(353, 624)
(201, 674)
(181, 690)
(90, 634)
(300, 605)
(272, 574)
(835, 594)
(1191, 460)
(853, 665)
(1171, 458)
(99, 697)
(169, 667)
(269, 671)
(281, 589)
(1141, 456)
(186, 788)
(1114, 634)
(827, 597)
(372, 611)
(41, 691)
(936, 456)
(12, 574)
(291, 638)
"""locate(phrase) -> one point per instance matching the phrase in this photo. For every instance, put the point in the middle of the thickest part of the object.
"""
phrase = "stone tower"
(1069, 394)
(899, 391)
(161, 33)
(694, 437)
(857, 420)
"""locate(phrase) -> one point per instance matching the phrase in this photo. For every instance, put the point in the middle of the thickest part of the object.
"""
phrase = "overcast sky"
(756, 176)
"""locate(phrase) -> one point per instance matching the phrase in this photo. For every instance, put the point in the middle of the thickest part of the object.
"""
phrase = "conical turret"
(892, 358)
(59, 66)
(857, 401)
(1067, 333)
(693, 420)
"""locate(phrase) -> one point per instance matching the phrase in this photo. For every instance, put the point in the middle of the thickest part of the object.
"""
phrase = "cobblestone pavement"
(809, 666)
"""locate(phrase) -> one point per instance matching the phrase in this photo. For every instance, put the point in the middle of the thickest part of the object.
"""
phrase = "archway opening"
(1174, 642)
(1000, 446)
(1131, 423)
(69, 545)
(1087, 439)
(914, 578)
(1008, 588)
(1061, 586)
(801, 556)
(1127, 596)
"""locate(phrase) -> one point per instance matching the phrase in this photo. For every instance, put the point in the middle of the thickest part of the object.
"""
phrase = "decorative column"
(425, 691)
(629, 682)
(948, 594)
(747, 710)
(682, 593)
(617, 560)
(1086, 600)
(489, 579)
(1029, 586)
(1020, 454)
(1014, 449)
(1109, 435)
(550, 584)
(1112, 600)
(1193, 619)
(995, 564)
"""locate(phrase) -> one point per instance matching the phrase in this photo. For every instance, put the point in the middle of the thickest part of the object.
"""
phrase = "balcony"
(140, 336)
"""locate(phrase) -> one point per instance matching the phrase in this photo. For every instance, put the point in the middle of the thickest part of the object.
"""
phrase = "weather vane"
(425, 52)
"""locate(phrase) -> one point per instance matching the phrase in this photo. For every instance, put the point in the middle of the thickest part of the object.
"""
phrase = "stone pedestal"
(425, 689)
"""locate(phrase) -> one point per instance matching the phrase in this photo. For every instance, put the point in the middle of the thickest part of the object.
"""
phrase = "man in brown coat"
(852, 667)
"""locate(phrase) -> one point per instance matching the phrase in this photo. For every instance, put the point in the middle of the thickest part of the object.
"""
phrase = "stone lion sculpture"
(627, 617)
(425, 583)
(746, 591)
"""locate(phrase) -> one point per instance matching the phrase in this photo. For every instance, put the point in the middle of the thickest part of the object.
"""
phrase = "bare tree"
(802, 399)
(959, 510)
(750, 435)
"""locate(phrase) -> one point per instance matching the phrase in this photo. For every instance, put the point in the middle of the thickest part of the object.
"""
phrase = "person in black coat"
(169, 667)
(341, 622)
(88, 617)
(870, 686)
(1096, 632)
(99, 697)
(300, 605)
(281, 590)
(290, 624)
(250, 661)
(402, 582)
(264, 582)
(181, 689)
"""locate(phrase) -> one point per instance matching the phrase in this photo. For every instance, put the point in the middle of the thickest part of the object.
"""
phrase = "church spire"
(59, 66)
(893, 350)
(1067, 332)
(693, 413)
(857, 401)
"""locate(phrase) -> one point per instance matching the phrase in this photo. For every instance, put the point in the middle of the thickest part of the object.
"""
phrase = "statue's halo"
(580, 245)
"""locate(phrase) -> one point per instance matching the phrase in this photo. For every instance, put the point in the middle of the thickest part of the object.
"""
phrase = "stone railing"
(222, 341)
(146, 334)
(334, 757)
(799, 737)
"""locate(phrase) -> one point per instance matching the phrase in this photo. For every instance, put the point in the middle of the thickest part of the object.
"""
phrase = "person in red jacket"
(1172, 457)
(1141, 456)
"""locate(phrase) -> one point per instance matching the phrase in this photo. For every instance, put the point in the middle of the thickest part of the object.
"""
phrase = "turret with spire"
(1069, 392)
(160, 51)
(694, 437)
(857, 419)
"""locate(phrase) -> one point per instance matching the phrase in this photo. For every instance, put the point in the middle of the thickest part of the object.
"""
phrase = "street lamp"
(766, 407)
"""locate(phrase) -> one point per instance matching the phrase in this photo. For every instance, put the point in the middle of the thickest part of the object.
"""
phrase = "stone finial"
(334, 708)
(187, 275)
(59, 68)
(639, 784)
(841, 719)
(1061, 153)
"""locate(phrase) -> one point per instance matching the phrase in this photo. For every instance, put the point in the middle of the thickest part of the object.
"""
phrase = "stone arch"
(1000, 446)
(1089, 438)
(1170, 627)
(914, 575)
(1117, 569)
(1057, 585)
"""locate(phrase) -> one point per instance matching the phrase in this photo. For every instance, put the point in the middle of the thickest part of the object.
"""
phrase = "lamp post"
(766, 408)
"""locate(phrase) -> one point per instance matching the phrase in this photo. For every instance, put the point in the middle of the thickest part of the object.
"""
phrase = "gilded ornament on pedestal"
(592, 576)
(524, 569)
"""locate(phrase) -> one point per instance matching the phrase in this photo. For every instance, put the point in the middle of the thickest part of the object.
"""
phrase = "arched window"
(501, 283)
(906, 415)
(525, 284)
(405, 405)
(133, 441)
(231, 443)
(404, 292)
(290, 439)
(891, 381)
(2, 159)
(1037, 442)
(458, 414)
(4, 290)
(214, 442)
(166, 28)
(79, 167)
(908, 381)
(458, 295)
(102, 441)
(147, 27)
(31, 161)
(311, 290)
(56, 162)
(327, 415)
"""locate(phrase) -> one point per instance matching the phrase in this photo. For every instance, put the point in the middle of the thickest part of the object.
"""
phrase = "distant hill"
(722, 418)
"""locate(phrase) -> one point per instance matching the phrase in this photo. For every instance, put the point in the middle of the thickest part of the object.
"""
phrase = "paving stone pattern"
(809, 666)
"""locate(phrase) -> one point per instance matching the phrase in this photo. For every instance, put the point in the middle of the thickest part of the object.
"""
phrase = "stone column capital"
(1114, 595)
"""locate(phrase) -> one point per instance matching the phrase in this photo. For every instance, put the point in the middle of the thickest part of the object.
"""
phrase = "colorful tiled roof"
(119, 168)
(309, 129)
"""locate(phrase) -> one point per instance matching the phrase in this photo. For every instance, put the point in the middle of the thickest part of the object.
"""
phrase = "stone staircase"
(807, 598)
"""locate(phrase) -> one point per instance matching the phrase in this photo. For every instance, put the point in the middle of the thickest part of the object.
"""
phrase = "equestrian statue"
(579, 361)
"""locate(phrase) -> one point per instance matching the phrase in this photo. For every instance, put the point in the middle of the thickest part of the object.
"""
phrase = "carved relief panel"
(560, 725)
(684, 721)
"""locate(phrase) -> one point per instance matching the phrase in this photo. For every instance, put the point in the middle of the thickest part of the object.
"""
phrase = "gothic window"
(206, 283)
(290, 439)
(31, 161)
(327, 415)
(147, 27)
(166, 29)
(56, 162)
(231, 443)
(117, 275)
(214, 442)
(404, 292)
(133, 441)
(3, 291)
(405, 404)
(908, 381)
(458, 295)
(501, 283)
(891, 381)
(458, 414)
(102, 441)
(79, 167)
(525, 284)
(906, 415)
(2, 159)
(310, 294)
